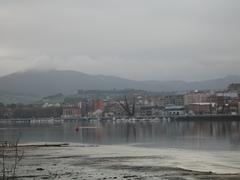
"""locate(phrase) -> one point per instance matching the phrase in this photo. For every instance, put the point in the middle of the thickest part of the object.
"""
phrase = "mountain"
(9, 98)
(45, 83)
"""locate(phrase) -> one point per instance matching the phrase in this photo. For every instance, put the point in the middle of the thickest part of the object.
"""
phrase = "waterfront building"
(196, 97)
(201, 108)
(177, 100)
(84, 106)
(218, 100)
(233, 108)
(160, 100)
(228, 95)
(97, 104)
(151, 111)
(71, 112)
(174, 110)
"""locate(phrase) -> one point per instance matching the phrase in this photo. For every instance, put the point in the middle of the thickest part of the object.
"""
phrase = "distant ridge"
(44, 83)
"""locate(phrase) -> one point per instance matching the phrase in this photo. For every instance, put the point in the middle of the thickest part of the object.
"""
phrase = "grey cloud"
(138, 39)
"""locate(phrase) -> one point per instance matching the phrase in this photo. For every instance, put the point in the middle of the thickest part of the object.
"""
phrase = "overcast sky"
(137, 39)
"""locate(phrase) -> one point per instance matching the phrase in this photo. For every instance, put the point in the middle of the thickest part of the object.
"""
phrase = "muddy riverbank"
(77, 161)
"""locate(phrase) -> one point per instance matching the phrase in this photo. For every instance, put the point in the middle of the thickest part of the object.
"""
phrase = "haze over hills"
(44, 83)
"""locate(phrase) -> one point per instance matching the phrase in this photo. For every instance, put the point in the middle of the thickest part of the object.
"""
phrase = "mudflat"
(78, 161)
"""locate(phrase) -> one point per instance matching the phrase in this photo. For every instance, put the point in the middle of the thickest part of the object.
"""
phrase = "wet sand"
(78, 161)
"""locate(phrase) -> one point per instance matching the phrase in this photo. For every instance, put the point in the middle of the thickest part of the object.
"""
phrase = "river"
(194, 135)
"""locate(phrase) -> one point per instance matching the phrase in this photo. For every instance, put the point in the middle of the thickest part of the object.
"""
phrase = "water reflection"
(191, 134)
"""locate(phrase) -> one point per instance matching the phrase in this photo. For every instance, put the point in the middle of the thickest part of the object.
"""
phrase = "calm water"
(224, 135)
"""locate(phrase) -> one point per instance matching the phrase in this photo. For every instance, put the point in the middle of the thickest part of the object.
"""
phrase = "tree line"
(28, 111)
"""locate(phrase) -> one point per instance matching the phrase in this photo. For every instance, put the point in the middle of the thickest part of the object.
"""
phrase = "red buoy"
(77, 129)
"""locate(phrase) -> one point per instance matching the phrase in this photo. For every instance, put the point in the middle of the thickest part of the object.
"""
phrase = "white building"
(195, 97)
(174, 110)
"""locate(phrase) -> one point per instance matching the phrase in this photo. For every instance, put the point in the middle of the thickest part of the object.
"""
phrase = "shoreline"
(79, 161)
(180, 118)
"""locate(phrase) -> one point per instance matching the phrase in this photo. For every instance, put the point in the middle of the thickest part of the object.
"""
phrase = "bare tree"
(10, 155)
(129, 109)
